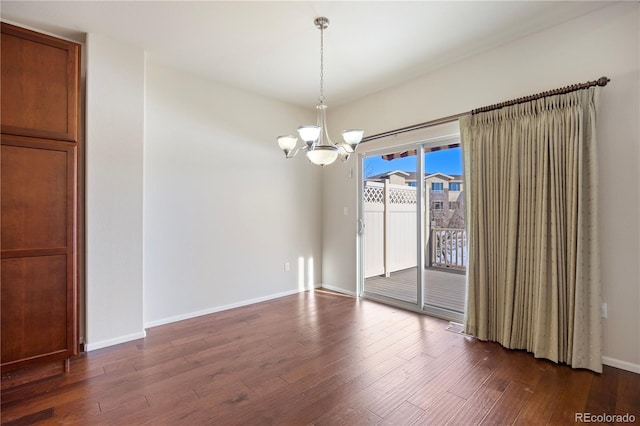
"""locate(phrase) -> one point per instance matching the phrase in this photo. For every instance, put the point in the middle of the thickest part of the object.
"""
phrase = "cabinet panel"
(36, 194)
(34, 307)
(39, 85)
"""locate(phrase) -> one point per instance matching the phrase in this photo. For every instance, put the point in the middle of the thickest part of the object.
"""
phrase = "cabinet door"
(38, 199)
(38, 291)
(39, 77)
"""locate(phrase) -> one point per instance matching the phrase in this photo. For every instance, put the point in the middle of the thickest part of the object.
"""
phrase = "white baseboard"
(338, 290)
(115, 341)
(213, 310)
(623, 365)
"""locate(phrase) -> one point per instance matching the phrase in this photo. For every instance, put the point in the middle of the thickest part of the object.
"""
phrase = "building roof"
(411, 176)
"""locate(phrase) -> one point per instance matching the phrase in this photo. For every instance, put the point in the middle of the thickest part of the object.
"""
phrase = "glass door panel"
(445, 237)
(389, 237)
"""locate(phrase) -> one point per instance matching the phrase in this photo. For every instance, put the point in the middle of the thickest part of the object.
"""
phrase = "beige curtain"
(532, 225)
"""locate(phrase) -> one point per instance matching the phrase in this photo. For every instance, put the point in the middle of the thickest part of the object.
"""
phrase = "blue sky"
(447, 161)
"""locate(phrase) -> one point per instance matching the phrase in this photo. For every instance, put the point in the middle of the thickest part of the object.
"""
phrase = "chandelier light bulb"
(309, 133)
(287, 143)
(352, 136)
(323, 155)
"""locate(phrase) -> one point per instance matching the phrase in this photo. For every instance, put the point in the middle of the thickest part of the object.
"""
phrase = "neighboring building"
(446, 200)
(396, 177)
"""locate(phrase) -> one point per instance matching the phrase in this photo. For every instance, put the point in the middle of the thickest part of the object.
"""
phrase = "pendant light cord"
(322, 64)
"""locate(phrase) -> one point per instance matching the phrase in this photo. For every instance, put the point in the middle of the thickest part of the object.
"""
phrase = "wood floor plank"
(540, 406)
(337, 392)
(32, 418)
(315, 358)
(442, 410)
(386, 394)
(603, 392)
(492, 357)
(476, 407)
(508, 406)
(628, 394)
(445, 378)
(405, 414)
(511, 369)
(573, 399)
(349, 416)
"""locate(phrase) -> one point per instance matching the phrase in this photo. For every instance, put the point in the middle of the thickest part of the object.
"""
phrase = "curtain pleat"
(533, 277)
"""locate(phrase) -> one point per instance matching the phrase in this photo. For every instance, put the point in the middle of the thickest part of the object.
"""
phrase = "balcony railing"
(449, 248)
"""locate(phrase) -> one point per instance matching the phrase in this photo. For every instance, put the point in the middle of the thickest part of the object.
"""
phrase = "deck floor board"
(443, 289)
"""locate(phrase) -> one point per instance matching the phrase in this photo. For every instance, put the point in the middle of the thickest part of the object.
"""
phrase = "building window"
(437, 187)
(454, 205)
(454, 186)
(437, 205)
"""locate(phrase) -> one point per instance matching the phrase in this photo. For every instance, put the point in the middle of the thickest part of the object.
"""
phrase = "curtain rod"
(602, 81)
(419, 126)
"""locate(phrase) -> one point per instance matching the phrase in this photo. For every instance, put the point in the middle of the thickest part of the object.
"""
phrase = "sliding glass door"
(412, 240)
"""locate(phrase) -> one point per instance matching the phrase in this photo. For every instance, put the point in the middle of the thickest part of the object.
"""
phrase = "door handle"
(360, 226)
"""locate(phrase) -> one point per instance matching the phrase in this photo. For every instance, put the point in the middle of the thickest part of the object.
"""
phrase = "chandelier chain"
(322, 64)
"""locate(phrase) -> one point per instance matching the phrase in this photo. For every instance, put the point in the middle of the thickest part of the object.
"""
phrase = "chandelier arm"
(295, 151)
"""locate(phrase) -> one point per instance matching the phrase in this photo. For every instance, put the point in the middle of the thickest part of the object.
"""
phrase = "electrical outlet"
(603, 310)
(287, 266)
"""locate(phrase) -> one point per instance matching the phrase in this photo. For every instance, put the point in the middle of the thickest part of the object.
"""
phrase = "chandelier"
(317, 143)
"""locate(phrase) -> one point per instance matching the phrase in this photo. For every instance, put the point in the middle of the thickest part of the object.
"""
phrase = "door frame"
(421, 146)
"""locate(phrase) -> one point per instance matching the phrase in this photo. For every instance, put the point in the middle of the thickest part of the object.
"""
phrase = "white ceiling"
(273, 48)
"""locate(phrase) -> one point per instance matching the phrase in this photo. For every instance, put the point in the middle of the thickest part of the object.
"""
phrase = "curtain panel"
(533, 279)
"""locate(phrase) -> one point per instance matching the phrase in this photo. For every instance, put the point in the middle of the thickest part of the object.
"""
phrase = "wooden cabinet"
(40, 85)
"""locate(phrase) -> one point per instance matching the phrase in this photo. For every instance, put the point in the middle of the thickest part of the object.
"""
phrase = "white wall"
(114, 141)
(605, 42)
(223, 209)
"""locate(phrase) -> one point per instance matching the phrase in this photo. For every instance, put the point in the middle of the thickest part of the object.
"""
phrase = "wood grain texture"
(316, 358)
(40, 80)
(34, 311)
(35, 187)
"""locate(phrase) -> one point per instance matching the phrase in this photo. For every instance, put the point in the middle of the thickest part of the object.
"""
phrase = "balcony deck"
(444, 289)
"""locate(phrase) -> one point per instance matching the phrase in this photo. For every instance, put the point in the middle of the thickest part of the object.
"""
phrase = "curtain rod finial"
(602, 81)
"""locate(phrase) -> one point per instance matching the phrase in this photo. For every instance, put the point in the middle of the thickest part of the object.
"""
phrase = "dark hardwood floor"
(317, 358)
